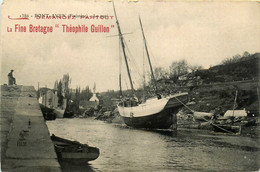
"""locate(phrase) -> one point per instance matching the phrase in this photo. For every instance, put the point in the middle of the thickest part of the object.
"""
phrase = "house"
(93, 102)
(48, 98)
(94, 97)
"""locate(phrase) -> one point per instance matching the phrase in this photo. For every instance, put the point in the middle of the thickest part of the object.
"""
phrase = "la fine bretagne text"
(64, 28)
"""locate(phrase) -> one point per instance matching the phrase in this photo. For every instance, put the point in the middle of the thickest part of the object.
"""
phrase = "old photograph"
(129, 85)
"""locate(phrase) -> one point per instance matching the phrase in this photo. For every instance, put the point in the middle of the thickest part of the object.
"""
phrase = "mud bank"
(187, 121)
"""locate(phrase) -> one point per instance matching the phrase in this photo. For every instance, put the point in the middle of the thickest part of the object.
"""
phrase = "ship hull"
(155, 114)
(59, 113)
(161, 120)
(74, 152)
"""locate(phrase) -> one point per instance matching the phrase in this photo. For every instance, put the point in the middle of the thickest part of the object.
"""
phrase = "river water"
(128, 149)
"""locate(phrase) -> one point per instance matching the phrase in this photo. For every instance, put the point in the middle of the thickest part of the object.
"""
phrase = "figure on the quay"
(11, 79)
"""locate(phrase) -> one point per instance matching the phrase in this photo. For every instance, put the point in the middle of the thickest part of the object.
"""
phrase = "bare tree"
(178, 68)
(160, 73)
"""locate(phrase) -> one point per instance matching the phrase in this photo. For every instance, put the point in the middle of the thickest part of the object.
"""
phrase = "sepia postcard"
(129, 85)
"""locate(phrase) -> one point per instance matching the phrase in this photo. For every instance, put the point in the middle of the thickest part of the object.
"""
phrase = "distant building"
(49, 98)
(94, 97)
(93, 102)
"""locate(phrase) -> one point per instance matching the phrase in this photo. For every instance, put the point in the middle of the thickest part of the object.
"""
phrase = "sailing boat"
(154, 113)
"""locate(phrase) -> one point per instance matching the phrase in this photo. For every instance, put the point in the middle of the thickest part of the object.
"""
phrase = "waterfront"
(127, 149)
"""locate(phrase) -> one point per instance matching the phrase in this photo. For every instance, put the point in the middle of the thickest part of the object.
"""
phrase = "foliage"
(63, 90)
(65, 85)
(85, 94)
(235, 58)
(161, 73)
(59, 93)
(178, 68)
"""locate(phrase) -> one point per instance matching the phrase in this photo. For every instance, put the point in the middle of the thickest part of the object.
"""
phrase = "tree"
(56, 85)
(195, 67)
(234, 59)
(86, 94)
(160, 73)
(59, 94)
(178, 68)
(65, 85)
(246, 54)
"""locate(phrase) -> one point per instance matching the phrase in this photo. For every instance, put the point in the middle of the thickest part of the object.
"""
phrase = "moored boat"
(59, 113)
(48, 113)
(227, 128)
(73, 151)
(154, 113)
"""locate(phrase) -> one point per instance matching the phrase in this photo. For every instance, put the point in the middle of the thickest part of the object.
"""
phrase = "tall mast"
(123, 48)
(120, 69)
(150, 64)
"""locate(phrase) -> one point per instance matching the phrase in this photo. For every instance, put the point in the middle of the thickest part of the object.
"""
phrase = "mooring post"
(174, 119)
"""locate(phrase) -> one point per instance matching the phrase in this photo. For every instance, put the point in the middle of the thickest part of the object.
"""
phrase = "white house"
(94, 97)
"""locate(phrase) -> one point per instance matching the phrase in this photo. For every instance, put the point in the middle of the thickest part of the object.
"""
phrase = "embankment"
(25, 139)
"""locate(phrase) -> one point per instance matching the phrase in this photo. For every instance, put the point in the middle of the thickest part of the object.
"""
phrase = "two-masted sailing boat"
(154, 113)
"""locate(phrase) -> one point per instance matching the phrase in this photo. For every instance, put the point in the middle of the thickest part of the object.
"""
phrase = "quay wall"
(25, 138)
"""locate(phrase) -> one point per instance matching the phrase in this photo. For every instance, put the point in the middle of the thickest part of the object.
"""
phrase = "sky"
(202, 33)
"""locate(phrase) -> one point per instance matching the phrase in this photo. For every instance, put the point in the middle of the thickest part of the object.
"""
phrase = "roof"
(94, 98)
(237, 113)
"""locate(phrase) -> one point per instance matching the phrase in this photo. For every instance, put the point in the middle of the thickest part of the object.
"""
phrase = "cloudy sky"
(203, 33)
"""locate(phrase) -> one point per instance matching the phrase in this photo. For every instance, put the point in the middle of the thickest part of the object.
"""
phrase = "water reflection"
(128, 149)
(68, 167)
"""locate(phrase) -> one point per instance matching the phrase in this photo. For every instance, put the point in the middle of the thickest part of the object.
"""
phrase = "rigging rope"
(131, 59)
(185, 105)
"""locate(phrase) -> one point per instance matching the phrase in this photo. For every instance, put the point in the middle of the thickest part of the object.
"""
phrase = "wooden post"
(234, 106)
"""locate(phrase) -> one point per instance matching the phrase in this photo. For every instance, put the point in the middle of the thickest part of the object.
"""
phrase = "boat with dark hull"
(154, 113)
(74, 152)
(227, 128)
(48, 113)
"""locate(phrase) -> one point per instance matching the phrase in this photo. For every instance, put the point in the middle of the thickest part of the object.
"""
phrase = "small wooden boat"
(73, 151)
(202, 116)
(227, 128)
(47, 112)
(59, 112)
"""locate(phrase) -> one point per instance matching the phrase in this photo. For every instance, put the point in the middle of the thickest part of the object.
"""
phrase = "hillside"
(210, 89)
(214, 89)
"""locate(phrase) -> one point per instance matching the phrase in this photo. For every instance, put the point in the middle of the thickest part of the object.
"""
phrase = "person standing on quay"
(11, 79)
